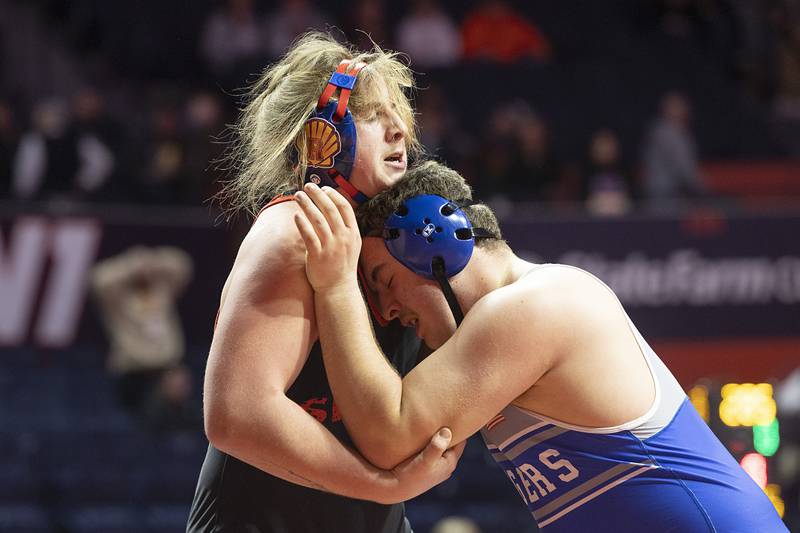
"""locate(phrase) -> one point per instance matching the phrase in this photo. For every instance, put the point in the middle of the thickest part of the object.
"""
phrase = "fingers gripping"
(344, 207)
(308, 234)
(315, 217)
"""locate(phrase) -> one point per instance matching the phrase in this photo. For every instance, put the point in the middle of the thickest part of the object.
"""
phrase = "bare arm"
(475, 374)
(264, 332)
(472, 377)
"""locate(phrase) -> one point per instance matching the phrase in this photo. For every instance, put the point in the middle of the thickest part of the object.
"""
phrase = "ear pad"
(330, 145)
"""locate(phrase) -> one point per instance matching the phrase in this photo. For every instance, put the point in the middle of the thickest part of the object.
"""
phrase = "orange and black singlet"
(234, 497)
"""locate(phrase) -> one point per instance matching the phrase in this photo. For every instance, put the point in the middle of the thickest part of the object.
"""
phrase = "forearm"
(367, 389)
(280, 438)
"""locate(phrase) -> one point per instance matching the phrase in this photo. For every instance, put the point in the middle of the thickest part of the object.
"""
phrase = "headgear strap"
(343, 80)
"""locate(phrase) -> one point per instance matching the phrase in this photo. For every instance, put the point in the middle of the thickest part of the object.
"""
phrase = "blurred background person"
(288, 20)
(233, 39)
(670, 162)
(607, 186)
(365, 23)
(494, 31)
(137, 293)
(47, 159)
(204, 125)
(429, 35)
(538, 172)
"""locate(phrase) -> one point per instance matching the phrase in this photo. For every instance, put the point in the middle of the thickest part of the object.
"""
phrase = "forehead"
(374, 253)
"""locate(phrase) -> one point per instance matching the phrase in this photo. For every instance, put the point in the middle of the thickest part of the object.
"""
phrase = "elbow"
(387, 449)
(217, 425)
(222, 423)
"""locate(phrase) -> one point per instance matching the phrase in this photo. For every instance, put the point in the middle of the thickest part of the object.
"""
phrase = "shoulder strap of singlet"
(279, 199)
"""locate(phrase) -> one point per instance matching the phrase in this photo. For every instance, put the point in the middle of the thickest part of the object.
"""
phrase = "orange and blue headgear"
(330, 134)
(433, 237)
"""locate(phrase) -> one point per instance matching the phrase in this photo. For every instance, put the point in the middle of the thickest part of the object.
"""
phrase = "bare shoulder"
(555, 285)
(271, 259)
(543, 307)
(274, 232)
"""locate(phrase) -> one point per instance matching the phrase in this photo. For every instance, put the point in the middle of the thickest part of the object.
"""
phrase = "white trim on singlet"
(674, 395)
(517, 435)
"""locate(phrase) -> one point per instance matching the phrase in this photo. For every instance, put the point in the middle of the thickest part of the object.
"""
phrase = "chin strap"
(441, 277)
(438, 269)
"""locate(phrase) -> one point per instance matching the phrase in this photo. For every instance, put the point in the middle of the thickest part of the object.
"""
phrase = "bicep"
(481, 369)
(264, 332)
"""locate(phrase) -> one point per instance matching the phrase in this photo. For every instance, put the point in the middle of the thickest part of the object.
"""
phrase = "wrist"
(341, 290)
(390, 490)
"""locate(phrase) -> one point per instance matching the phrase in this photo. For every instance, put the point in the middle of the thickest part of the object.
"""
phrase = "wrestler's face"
(400, 293)
(381, 157)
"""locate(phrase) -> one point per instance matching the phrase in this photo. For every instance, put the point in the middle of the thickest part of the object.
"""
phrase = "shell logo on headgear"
(323, 142)
(329, 135)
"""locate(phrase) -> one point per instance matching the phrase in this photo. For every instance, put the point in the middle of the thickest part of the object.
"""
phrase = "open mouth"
(396, 159)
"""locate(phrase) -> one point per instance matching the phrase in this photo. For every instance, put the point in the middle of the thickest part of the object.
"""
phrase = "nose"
(390, 307)
(396, 129)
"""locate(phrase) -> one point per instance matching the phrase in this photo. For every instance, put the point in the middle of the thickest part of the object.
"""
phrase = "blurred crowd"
(90, 130)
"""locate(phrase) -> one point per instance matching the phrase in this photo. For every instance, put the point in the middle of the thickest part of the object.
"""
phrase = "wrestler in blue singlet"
(664, 471)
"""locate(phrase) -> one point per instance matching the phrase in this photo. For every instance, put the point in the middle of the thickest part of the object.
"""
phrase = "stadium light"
(747, 404)
(766, 438)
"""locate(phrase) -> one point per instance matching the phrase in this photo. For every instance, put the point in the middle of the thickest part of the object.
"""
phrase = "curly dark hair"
(428, 177)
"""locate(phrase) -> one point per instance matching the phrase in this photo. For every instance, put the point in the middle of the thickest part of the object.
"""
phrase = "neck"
(487, 271)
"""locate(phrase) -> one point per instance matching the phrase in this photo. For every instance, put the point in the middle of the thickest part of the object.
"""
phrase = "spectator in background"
(204, 122)
(47, 157)
(494, 31)
(289, 20)
(518, 161)
(439, 131)
(429, 35)
(98, 137)
(9, 139)
(499, 154)
(163, 177)
(137, 293)
(367, 24)
(606, 184)
(538, 170)
(671, 169)
(54, 159)
(232, 36)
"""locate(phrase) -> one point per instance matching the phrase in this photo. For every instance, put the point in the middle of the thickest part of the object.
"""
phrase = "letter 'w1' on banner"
(47, 261)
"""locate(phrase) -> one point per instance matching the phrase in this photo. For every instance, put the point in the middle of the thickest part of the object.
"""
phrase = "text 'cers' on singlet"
(664, 471)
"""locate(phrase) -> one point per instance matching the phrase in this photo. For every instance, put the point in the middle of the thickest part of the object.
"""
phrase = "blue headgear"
(433, 237)
(330, 135)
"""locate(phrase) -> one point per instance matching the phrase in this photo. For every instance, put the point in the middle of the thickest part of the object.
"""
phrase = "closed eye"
(389, 285)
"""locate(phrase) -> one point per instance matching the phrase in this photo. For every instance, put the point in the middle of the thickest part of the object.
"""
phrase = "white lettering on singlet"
(532, 484)
(571, 472)
(537, 479)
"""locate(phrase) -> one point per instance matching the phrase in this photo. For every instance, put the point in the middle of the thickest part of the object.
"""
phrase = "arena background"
(561, 114)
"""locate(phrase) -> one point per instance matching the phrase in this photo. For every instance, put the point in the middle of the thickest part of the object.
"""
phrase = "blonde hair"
(263, 155)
